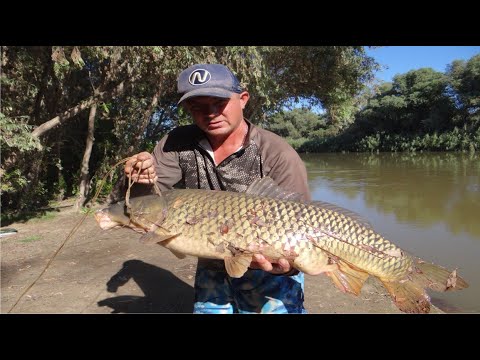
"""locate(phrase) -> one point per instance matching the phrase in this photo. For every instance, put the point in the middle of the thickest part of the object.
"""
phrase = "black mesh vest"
(235, 173)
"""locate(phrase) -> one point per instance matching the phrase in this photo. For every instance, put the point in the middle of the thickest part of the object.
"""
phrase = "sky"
(401, 59)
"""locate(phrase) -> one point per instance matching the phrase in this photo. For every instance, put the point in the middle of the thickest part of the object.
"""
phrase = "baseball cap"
(207, 80)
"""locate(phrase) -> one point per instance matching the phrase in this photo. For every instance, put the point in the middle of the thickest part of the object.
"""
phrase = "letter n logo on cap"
(199, 77)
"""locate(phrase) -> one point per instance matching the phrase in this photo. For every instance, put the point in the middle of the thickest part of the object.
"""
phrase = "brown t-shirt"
(182, 162)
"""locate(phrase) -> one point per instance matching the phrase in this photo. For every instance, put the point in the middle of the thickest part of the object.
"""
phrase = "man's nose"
(213, 110)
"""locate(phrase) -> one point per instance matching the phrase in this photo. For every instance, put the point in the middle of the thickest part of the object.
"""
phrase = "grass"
(29, 239)
(85, 210)
(49, 215)
(23, 217)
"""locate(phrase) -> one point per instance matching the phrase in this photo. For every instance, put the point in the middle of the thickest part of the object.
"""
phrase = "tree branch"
(57, 120)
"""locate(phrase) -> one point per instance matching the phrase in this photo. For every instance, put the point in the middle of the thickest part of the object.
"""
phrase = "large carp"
(315, 237)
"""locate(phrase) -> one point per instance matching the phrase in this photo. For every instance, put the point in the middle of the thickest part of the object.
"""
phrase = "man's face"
(217, 116)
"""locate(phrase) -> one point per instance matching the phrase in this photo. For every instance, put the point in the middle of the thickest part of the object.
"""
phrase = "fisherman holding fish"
(224, 151)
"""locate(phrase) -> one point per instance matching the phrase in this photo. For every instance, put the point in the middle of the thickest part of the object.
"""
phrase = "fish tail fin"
(436, 277)
(408, 296)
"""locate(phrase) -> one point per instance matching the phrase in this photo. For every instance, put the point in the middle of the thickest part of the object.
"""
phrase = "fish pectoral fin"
(178, 254)
(237, 265)
(153, 238)
(161, 237)
(348, 278)
(408, 296)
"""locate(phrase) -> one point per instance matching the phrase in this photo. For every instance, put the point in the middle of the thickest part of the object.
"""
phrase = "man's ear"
(244, 97)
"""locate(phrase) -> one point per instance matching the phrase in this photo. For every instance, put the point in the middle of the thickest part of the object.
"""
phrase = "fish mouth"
(104, 220)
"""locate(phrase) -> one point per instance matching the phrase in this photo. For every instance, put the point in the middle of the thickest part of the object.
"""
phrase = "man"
(224, 151)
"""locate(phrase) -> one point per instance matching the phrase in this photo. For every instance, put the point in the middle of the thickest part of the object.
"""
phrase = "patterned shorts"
(255, 292)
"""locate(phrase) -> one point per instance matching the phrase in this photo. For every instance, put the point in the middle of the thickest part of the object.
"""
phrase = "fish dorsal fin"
(237, 265)
(355, 216)
(436, 277)
(268, 188)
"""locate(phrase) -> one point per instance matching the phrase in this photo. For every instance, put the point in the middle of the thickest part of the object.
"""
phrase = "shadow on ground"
(164, 292)
(23, 217)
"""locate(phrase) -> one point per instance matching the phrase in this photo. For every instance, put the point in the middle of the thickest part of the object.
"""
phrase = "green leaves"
(12, 181)
(464, 79)
(16, 134)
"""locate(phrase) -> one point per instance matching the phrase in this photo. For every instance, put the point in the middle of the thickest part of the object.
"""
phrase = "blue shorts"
(255, 292)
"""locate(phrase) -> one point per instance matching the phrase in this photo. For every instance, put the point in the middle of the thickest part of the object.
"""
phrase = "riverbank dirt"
(101, 272)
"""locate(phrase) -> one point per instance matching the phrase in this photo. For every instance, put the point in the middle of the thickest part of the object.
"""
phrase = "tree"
(415, 102)
(133, 90)
(464, 79)
(297, 124)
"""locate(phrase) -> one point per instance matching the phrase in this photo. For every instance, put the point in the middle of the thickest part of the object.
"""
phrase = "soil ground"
(111, 272)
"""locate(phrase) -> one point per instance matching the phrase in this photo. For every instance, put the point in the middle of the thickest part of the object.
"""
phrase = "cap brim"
(215, 92)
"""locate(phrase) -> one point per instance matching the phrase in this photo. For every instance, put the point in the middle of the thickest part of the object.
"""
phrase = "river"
(428, 204)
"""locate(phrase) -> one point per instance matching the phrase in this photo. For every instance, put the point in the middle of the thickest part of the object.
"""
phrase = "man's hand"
(259, 262)
(141, 169)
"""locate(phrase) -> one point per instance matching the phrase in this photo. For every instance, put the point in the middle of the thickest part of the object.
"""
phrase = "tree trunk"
(118, 191)
(33, 171)
(84, 180)
(47, 70)
(146, 118)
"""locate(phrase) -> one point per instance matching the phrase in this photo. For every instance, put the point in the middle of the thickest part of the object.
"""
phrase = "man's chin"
(222, 131)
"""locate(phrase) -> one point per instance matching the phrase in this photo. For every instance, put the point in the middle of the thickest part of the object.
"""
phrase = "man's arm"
(146, 169)
(289, 172)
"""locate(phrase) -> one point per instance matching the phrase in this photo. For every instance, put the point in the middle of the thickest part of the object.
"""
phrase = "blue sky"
(401, 59)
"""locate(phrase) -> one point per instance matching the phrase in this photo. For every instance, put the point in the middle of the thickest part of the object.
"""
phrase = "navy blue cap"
(207, 80)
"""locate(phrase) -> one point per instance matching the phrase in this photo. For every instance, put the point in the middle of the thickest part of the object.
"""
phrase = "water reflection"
(434, 187)
(425, 203)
